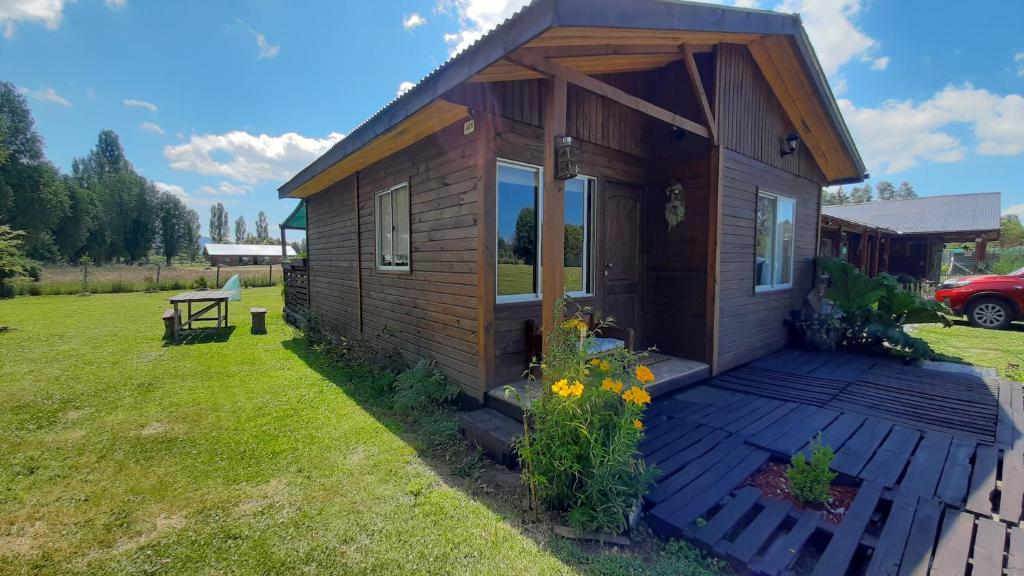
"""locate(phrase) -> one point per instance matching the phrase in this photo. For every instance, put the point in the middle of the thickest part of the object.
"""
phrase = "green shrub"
(199, 283)
(422, 387)
(875, 310)
(810, 481)
(581, 455)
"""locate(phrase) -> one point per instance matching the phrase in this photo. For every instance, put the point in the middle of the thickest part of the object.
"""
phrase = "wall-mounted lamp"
(567, 156)
(790, 144)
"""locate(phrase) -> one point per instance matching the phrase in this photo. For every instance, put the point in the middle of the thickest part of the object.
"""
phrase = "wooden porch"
(938, 458)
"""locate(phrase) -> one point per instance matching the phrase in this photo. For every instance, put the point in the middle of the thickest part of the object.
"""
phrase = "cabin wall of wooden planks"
(431, 310)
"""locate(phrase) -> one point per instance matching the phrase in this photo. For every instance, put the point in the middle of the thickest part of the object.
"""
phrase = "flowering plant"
(581, 454)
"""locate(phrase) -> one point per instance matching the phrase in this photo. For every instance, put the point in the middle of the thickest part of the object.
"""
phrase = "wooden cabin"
(539, 162)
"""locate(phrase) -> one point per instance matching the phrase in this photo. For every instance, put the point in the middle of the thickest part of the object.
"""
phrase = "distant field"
(56, 280)
(518, 279)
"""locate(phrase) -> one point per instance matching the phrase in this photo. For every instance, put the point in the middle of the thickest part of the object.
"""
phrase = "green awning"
(297, 219)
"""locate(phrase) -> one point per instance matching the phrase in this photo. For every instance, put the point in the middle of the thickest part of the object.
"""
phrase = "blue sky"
(223, 101)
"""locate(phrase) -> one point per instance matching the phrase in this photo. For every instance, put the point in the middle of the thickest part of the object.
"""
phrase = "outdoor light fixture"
(789, 144)
(567, 155)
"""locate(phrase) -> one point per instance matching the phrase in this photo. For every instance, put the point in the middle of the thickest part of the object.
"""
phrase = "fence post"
(216, 283)
(270, 269)
(157, 276)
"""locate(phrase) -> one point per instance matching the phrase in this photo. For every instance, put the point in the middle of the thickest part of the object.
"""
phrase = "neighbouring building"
(908, 236)
(245, 254)
(545, 159)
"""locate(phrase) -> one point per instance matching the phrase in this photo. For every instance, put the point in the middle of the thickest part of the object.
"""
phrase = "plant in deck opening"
(811, 480)
(580, 455)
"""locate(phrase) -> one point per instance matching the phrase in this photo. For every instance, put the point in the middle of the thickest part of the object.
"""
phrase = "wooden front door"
(622, 255)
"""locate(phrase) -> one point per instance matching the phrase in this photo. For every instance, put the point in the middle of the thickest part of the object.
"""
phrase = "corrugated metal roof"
(246, 250)
(931, 214)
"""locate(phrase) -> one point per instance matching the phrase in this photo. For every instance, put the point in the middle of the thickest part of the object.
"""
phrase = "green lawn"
(124, 456)
(247, 455)
(518, 279)
(1000, 349)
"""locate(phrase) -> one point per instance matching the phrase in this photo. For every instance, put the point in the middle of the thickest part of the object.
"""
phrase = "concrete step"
(512, 404)
(494, 432)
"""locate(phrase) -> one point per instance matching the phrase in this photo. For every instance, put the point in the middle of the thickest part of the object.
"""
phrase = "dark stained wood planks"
(954, 544)
(781, 556)
(925, 468)
(917, 553)
(885, 561)
(956, 474)
(891, 457)
(983, 480)
(846, 538)
(859, 449)
(1011, 489)
(987, 556)
(757, 533)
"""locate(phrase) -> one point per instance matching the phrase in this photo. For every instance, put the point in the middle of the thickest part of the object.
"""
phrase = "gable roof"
(777, 41)
(928, 215)
(245, 250)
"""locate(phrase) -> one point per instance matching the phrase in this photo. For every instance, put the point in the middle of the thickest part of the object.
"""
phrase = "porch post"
(284, 244)
(553, 206)
(487, 168)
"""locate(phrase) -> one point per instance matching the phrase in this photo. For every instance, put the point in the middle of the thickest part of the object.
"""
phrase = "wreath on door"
(675, 207)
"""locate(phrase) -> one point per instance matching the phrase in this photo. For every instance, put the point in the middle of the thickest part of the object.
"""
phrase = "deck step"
(511, 404)
(494, 432)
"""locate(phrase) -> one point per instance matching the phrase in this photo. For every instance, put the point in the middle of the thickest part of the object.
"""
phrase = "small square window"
(392, 212)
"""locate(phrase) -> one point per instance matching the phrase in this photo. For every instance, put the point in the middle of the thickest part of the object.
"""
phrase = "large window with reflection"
(774, 237)
(519, 219)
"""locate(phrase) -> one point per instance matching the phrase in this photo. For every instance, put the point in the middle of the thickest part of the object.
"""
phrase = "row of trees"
(886, 191)
(220, 228)
(104, 209)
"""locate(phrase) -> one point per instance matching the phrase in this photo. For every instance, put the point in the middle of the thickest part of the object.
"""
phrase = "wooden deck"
(937, 457)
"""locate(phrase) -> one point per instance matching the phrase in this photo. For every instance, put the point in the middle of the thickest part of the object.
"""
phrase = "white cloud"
(225, 189)
(115, 4)
(880, 63)
(46, 94)
(413, 20)
(899, 134)
(190, 200)
(248, 158)
(404, 87)
(267, 50)
(133, 103)
(45, 12)
(1017, 209)
(152, 127)
(476, 18)
(1018, 59)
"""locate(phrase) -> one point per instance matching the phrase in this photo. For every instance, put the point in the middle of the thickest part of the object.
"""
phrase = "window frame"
(536, 295)
(773, 287)
(589, 205)
(378, 256)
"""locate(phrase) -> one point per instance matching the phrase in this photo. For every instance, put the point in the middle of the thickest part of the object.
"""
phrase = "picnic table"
(211, 298)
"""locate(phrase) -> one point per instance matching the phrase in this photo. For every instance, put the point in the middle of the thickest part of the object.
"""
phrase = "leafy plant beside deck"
(875, 310)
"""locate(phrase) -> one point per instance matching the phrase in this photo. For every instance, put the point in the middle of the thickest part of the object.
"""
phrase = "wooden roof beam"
(533, 61)
(702, 97)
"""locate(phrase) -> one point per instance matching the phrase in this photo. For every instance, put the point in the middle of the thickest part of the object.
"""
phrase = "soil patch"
(772, 481)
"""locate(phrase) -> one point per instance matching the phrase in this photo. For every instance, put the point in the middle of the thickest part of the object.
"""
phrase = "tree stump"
(259, 320)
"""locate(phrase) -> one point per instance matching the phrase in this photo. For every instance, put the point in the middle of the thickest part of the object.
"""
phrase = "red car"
(987, 301)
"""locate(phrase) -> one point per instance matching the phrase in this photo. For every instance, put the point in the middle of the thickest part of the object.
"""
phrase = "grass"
(235, 455)
(518, 279)
(999, 349)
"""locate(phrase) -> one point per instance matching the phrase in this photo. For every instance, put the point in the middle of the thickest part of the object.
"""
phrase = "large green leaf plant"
(875, 310)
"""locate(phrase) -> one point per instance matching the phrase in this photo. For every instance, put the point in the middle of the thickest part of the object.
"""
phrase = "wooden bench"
(259, 320)
(172, 323)
(535, 339)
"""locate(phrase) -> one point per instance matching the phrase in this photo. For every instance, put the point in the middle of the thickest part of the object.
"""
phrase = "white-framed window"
(519, 221)
(392, 219)
(774, 240)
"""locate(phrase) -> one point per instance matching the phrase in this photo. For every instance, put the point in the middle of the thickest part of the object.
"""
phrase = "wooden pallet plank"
(983, 480)
(781, 556)
(954, 544)
(768, 419)
(956, 474)
(783, 425)
(891, 457)
(891, 542)
(734, 412)
(1017, 405)
(926, 464)
(675, 444)
(846, 538)
(679, 470)
(763, 410)
(728, 516)
(989, 542)
(918, 552)
(838, 432)
(667, 432)
(676, 513)
(1004, 421)
(859, 449)
(761, 528)
(1011, 490)
(805, 430)
(1015, 554)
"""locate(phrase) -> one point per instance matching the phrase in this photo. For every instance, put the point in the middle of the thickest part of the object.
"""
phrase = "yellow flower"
(638, 424)
(644, 374)
(595, 362)
(561, 388)
(608, 384)
(576, 389)
(637, 395)
(605, 366)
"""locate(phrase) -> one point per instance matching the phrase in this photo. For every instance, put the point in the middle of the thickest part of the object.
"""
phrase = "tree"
(834, 196)
(262, 227)
(218, 224)
(906, 192)
(573, 245)
(524, 242)
(173, 224)
(886, 191)
(861, 194)
(240, 231)
(18, 137)
(75, 229)
(299, 246)
(12, 261)
(1011, 232)
(193, 236)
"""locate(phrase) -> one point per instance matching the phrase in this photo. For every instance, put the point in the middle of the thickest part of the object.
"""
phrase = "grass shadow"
(201, 336)
(500, 489)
